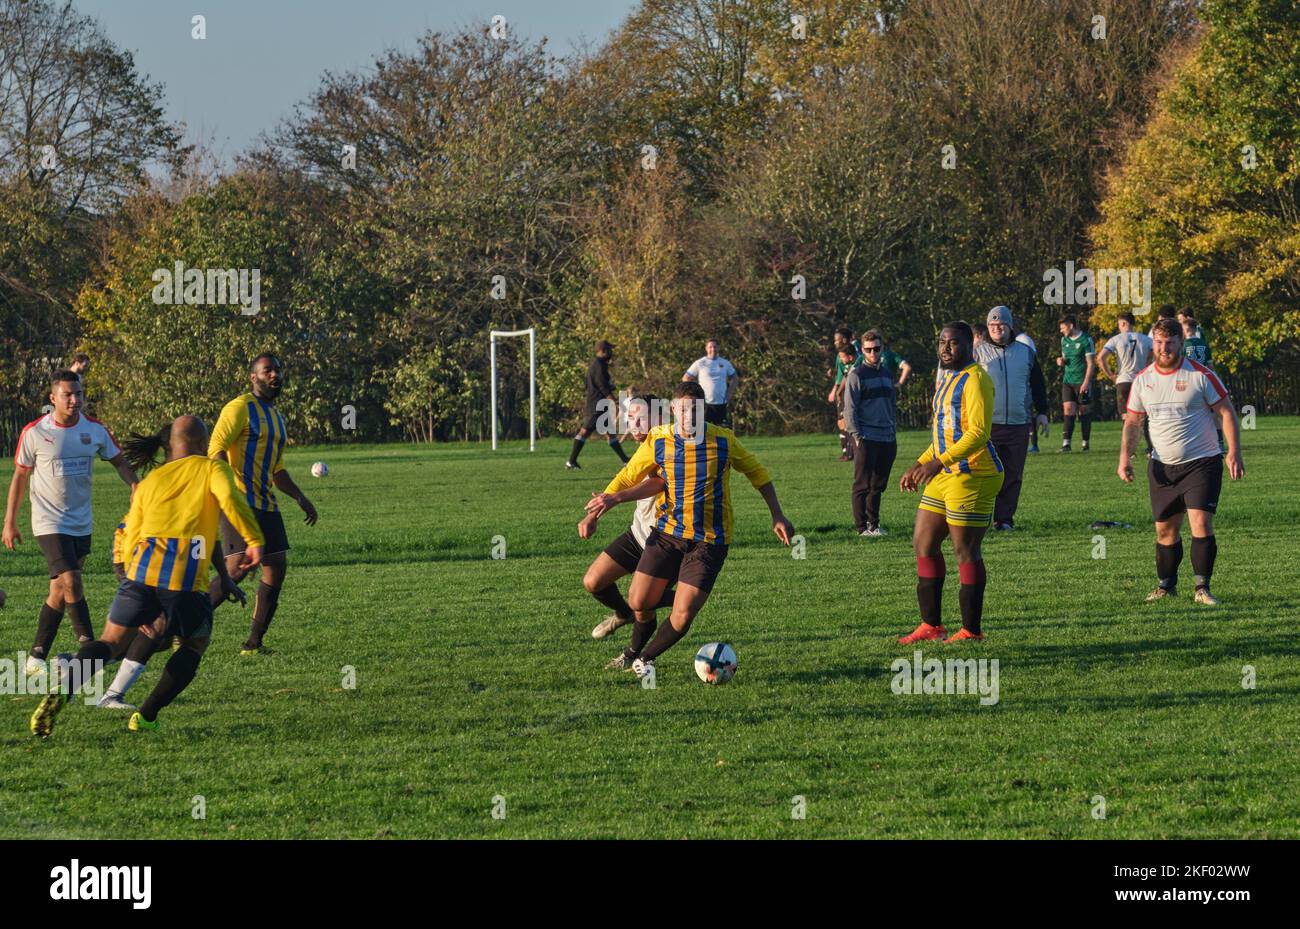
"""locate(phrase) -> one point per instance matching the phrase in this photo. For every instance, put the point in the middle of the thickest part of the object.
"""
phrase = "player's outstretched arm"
(17, 490)
(229, 589)
(125, 471)
(1103, 370)
(283, 482)
(1232, 435)
(744, 461)
(601, 503)
(1127, 443)
(638, 467)
(783, 528)
(222, 486)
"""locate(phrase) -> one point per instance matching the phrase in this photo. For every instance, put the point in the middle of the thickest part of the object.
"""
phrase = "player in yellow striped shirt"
(962, 475)
(170, 535)
(693, 523)
(250, 435)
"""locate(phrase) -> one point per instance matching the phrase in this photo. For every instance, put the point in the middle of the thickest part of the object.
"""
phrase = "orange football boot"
(922, 633)
(962, 635)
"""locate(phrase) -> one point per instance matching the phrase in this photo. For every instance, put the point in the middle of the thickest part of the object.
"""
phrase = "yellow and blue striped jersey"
(119, 542)
(251, 433)
(171, 528)
(962, 416)
(696, 501)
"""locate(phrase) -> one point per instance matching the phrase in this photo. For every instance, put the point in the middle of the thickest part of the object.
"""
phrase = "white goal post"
(532, 382)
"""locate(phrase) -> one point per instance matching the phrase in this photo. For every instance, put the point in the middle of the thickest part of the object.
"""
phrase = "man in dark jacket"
(1019, 398)
(601, 408)
(870, 398)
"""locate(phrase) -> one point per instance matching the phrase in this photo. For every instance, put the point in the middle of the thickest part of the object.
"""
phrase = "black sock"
(641, 633)
(1204, 550)
(610, 597)
(46, 627)
(971, 595)
(176, 676)
(665, 638)
(142, 647)
(929, 588)
(90, 652)
(577, 449)
(263, 612)
(1086, 419)
(79, 616)
(1068, 433)
(666, 599)
(617, 446)
(1168, 558)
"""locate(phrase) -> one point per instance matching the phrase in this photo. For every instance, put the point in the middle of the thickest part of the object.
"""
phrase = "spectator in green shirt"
(843, 340)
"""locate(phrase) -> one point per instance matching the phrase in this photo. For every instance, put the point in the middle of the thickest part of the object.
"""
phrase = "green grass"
(478, 677)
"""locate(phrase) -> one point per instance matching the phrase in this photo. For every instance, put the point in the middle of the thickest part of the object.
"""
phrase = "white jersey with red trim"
(1177, 406)
(60, 459)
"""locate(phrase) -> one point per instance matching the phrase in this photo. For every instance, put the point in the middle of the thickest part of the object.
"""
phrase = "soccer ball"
(715, 663)
(320, 469)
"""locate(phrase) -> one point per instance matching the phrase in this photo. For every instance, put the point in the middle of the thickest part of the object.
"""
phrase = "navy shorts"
(188, 612)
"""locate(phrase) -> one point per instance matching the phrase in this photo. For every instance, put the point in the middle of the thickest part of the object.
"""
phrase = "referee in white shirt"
(718, 377)
(1181, 399)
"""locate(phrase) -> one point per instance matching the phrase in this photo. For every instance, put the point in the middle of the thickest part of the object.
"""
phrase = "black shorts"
(1192, 485)
(684, 561)
(1121, 397)
(64, 552)
(272, 526)
(717, 414)
(188, 612)
(1070, 393)
(626, 551)
(593, 412)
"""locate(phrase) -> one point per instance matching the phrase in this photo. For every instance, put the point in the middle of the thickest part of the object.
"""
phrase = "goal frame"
(532, 380)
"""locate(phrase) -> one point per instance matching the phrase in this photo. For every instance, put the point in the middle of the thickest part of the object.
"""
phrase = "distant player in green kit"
(1194, 345)
(1079, 361)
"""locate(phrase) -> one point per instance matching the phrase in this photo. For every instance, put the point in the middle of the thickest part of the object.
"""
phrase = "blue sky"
(263, 56)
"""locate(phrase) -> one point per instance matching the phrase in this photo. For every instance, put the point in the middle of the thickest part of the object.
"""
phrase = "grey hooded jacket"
(1018, 386)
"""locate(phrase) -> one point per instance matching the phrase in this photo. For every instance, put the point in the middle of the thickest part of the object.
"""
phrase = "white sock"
(127, 675)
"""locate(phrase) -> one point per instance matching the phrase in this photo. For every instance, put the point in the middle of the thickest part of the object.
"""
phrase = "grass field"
(477, 678)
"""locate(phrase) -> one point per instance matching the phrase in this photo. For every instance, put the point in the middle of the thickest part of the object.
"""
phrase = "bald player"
(171, 535)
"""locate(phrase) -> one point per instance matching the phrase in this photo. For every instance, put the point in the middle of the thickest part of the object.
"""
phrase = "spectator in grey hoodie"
(1019, 392)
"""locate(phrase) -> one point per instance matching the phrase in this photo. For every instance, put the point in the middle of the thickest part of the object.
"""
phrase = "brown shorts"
(625, 551)
(63, 552)
(684, 561)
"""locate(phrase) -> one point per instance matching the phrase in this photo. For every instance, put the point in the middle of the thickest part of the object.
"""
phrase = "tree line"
(757, 172)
